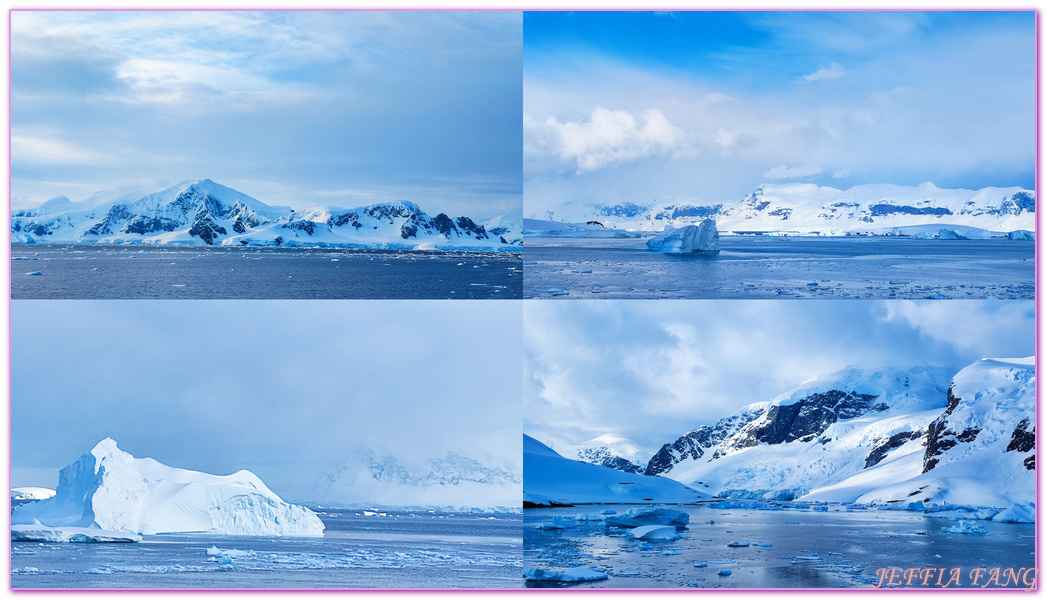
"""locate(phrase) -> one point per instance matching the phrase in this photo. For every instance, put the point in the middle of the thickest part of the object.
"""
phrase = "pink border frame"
(367, 591)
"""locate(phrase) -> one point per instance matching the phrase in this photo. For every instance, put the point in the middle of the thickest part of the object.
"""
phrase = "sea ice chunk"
(965, 527)
(650, 515)
(108, 488)
(655, 532)
(574, 575)
(692, 238)
(738, 544)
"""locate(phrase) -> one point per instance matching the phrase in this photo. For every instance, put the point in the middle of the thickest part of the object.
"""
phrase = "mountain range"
(821, 210)
(206, 213)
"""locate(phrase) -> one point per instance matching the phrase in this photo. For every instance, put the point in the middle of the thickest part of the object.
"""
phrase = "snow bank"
(550, 478)
(692, 238)
(108, 488)
(41, 533)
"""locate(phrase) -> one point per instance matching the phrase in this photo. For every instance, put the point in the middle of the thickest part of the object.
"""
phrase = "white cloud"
(835, 71)
(784, 172)
(35, 150)
(609, 137)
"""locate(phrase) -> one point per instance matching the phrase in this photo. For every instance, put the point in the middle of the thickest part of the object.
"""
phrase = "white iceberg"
(31, 493)
(1021, 234)
(965, 527)
(575, 575)
(109, 489)
(655, 532)
(738, 544)
(650, 515)
(692, 238)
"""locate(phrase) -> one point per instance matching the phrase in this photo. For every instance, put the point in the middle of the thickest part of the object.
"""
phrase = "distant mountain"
(876, 436)
(386, 478)
(812, 209)
(206, 213)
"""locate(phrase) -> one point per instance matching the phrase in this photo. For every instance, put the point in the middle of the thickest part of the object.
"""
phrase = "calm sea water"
(783, 267)
(105, 272)
(851, 548)
(402, 550)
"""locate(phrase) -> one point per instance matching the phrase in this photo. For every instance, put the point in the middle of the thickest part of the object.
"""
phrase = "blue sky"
(706, 106)
(294, 108)
(284, 389)
(651, 371)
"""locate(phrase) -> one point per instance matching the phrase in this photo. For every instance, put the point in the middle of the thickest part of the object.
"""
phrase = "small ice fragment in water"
(965, 527)
(34, 273)
(608, 511)
(577, 574)
(738, 544)
(701, 564)
(723, 572)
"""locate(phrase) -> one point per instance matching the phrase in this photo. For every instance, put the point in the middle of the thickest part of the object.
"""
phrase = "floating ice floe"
(965, 527)
(650, 515)
(811, 556)
(655, 532)
(34, 273)
(692, 238)
(42, 533)
(738, 544)
(575, 575)
(723, 572)
(608, 511)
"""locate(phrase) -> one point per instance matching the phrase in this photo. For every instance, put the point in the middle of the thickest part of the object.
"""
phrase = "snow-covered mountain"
(204, 212)
(111, 490)
(552, 479)
(612, 451)
(874, 436)
(384, 478)
(812, 209)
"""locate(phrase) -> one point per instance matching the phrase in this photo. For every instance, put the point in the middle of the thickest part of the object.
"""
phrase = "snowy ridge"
(207, 213)
(809, 209)
(370, 477)
(552, 479)
(874, 436)
(109, 489)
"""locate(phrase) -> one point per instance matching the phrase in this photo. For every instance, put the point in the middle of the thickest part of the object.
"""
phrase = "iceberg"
(655, 532)
(1022, 512)
(692, 238)
(31, 493)
(108, 489)
(575, 575)
(1021, 234)
(965, 527)
(42, 533)
(650, 515)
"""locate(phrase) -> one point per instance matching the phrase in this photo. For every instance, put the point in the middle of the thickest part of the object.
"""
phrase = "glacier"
(203, 212)
(108, 489)
(690, 238)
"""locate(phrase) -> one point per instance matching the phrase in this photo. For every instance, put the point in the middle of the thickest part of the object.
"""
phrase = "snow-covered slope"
(812, 209)
(873, 436)
(612, 451)
(204, 212)
(109, 489)
(370, 477)
(552, 479)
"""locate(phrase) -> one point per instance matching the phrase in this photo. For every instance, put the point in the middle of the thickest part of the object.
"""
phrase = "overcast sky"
(706, 106)
(651, 371)
(283, 389)
(293, 108)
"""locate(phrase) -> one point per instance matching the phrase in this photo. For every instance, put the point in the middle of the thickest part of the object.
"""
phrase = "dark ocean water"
(401, 550)
(783, 267)
(134, 272)
(807, 549)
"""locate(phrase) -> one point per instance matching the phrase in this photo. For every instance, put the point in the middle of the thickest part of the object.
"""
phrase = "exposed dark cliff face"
(892, 443)
(807, 418)
(206, 229)
(606, 458)
(694, 444)
(1024, 440)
